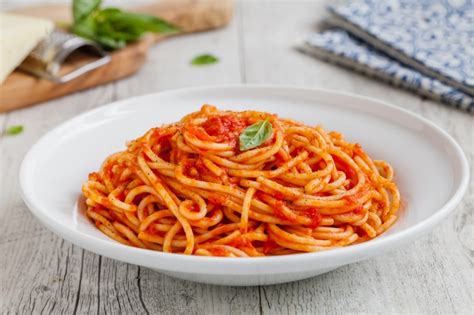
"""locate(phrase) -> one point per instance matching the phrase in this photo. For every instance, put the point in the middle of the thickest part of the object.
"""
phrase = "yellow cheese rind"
(19, 35)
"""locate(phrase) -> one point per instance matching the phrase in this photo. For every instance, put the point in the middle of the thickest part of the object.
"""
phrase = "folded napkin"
(426, 46)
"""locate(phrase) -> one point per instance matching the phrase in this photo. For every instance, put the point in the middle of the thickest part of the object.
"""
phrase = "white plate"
(431, 172)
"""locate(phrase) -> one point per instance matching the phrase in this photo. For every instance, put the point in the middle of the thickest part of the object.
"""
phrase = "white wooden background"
(41, 273)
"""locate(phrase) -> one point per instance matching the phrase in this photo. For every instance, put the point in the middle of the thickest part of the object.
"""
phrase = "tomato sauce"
(106, 203)
(234, 181)
(216, 199)
(165, 147)
(359, 209)
(269, 245)
(357, 150)
(113, 215)
(342, 166)
(121, 196)
(350, 199)
(108, 170)
(204, 172)
(224, 128)
(315, 217)
(354, 199)
(279, 212)
(199, 132)
(278, 195)
(281, 157)
(321, 165)
(218, 251)
(241, 241)
(189, 169)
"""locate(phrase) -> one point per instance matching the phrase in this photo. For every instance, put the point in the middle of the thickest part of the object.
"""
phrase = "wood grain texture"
(189, 15)
(21, 89)
(40, 273)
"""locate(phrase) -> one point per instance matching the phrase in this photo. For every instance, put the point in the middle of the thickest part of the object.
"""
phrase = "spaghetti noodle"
(188, 188)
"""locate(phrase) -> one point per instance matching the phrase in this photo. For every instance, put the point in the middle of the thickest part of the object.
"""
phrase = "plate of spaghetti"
(243, 185)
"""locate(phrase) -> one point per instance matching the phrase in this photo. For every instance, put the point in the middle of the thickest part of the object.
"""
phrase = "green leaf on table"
(256, 134)
(14, 130)
(204, 59)
(83, 8)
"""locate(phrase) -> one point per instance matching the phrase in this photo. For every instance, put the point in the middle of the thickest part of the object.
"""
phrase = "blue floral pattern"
(340, 47)
(437, 36)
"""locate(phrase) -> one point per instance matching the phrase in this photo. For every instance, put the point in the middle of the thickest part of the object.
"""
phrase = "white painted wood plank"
(39, 271)
(169, 63)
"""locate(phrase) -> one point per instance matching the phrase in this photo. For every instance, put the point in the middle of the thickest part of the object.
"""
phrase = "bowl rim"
(354, 252)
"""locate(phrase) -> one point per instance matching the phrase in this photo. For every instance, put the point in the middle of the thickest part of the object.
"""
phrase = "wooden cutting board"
(21, 89)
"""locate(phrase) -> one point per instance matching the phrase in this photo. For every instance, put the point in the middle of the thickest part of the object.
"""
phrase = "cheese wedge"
(19, 35)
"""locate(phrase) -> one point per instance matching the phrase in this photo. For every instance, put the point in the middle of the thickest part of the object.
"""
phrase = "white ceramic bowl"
(431, 172)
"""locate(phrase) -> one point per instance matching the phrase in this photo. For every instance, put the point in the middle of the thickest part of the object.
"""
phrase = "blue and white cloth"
(426, 45)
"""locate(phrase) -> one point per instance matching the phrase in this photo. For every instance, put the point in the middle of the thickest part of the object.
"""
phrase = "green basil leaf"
(109, 42)
(83, 8)
(107, 29)
(111, 27)
(134, 22)
(105, 13)
(85, 28)
(256, 134)
(205, 59)
(147, 23)
(14, 130)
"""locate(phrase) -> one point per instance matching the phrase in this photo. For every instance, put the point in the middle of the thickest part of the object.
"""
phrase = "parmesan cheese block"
(19, 35)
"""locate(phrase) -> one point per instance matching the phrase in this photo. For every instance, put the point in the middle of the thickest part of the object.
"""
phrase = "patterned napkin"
(426, 46)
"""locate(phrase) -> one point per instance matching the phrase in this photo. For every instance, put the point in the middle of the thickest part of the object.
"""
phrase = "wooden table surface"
(42, 273)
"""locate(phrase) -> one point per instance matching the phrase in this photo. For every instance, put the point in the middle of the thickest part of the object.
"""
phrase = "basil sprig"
(256, 134)
(113, 28)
